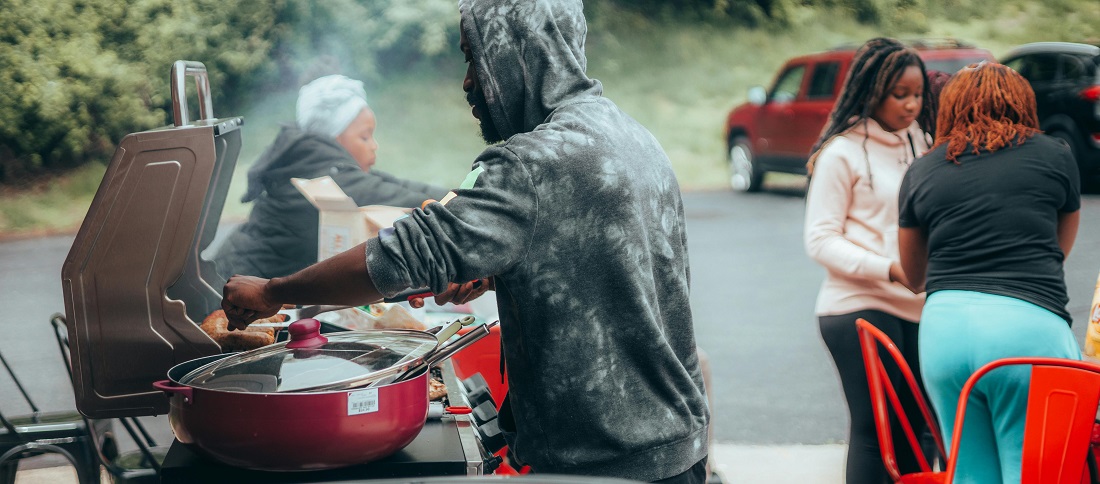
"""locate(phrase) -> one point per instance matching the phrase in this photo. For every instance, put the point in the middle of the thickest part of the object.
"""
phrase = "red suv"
(775, 129)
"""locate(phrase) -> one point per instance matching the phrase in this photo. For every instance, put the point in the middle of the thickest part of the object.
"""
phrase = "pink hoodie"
(852, 219)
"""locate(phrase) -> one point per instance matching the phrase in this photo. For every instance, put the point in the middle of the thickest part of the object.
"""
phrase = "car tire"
(745, 174)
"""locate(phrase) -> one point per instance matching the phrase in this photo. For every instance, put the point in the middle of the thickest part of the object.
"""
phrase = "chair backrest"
(1061, 408)
(883, 391)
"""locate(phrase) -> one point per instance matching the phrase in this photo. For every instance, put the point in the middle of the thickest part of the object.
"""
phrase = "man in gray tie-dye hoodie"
(577, 217)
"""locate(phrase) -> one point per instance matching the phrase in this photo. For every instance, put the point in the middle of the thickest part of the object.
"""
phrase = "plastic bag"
(1092, 333)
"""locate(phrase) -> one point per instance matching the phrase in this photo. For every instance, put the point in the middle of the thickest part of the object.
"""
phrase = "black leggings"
(864, 464)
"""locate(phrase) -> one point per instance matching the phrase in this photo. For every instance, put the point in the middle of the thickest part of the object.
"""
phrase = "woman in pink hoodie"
(878, 126)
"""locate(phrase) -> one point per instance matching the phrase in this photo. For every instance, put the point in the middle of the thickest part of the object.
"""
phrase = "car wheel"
(745, 174)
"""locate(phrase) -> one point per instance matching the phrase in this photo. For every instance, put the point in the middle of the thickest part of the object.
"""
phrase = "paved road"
(752, 296)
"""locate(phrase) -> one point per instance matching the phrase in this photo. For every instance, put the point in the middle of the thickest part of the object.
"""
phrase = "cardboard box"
(342, 224)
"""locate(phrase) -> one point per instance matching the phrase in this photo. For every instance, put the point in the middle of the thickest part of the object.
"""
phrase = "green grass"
(49, 207)
(679, 80)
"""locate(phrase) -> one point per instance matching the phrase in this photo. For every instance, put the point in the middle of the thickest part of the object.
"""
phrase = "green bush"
(233, 39)
(368, 40)
(741, 12)
(77, 75)
(64, 94)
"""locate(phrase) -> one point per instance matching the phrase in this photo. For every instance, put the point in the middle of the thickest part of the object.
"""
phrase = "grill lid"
(134, 281)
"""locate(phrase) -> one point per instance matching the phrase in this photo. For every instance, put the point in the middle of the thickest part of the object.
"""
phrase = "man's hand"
(245, 299)
(458, 293)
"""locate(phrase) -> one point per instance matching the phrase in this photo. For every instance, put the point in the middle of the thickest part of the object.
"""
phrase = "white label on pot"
(363, 401)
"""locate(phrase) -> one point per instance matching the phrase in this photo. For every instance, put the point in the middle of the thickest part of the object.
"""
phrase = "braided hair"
(876, 67)
(985, 106)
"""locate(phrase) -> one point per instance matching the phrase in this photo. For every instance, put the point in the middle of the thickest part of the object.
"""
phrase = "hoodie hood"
(909, 143)
(295, 153)
(529, 58)
(873, 129)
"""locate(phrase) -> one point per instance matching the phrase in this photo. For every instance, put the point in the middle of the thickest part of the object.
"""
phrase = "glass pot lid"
(312, 362)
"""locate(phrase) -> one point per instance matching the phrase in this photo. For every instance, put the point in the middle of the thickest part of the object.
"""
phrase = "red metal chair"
(1061, 410)
(883, 391)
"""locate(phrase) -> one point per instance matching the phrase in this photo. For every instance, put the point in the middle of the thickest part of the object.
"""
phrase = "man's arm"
(342, 279)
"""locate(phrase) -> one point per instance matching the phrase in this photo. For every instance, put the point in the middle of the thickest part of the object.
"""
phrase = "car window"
(1073, 67)
(1017, 65)
(823, 80)
(786, 88)
(1039, 68)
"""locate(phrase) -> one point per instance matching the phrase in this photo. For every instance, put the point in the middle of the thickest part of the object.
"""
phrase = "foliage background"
(78, 75)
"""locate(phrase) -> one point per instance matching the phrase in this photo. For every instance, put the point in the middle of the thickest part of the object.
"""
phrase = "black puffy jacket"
(280, 236)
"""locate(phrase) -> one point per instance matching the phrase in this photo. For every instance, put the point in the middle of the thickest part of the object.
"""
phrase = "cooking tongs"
(309, 311)
(441, 353)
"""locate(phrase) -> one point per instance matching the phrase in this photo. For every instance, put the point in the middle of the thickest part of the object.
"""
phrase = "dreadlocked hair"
(985, 106)
(876, 67)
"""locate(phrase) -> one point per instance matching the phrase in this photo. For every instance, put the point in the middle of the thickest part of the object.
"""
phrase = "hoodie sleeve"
(484, 230)
(827, 203)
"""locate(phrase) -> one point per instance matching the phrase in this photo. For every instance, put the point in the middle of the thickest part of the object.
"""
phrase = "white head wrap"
(327, 105)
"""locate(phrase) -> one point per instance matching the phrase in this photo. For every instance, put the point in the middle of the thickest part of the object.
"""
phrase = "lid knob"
(305, 333)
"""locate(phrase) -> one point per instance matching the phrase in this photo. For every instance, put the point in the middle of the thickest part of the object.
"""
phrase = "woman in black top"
(989, 215)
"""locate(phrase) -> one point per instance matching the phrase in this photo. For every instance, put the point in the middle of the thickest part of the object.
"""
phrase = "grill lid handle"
(180, 70)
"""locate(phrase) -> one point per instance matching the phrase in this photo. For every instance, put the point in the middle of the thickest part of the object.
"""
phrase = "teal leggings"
(959, 332)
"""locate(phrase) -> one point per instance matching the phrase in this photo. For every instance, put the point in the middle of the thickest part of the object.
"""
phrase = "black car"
(1066, 80)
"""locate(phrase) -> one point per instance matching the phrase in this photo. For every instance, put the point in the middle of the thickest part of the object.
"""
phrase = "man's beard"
(488, 130)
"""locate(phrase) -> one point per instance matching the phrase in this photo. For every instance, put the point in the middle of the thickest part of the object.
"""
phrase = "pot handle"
(170, 387)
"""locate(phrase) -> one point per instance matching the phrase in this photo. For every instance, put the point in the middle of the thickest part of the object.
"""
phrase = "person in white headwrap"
(333, 135)
(329, 104)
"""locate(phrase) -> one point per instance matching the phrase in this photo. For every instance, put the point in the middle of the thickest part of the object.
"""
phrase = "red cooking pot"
(314, 402)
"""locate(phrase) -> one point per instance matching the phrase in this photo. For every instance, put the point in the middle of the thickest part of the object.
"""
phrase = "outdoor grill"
(136, 284)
